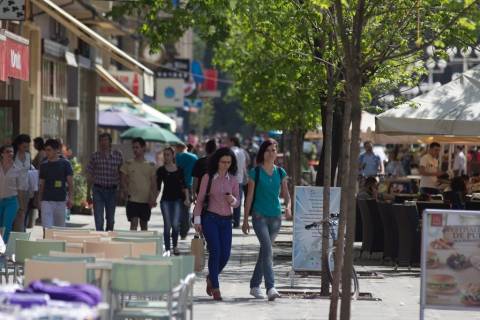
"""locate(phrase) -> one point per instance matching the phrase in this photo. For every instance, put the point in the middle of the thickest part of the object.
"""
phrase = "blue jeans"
(266, 229)
(104, 200)
(218, 234)
(185, 217)
(171, 211)
(8, 212)
(236, 211)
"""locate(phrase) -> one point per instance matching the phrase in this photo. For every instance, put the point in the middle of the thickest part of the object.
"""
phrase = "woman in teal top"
(266, 183)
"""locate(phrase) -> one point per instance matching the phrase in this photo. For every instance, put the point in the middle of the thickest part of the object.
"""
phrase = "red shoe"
(216, 294)
(209, 287)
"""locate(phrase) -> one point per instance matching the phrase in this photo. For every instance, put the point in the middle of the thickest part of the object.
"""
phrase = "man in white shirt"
(430, 170)
(234, 144)
(459, 163)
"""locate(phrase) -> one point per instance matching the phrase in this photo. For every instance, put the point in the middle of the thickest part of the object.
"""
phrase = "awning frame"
(104, 74)
(94, 39)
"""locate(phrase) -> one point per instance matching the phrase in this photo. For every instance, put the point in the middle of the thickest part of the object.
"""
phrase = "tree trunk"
(336, 145)
(350, 232)
(294, 164)
(344, 176)
(327, 146)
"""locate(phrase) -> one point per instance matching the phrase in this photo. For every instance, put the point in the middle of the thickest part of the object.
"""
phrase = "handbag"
(197, 250)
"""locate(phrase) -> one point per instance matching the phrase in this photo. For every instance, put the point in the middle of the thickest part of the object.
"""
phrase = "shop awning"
(14, 56)
(105, 75)
(96, 40)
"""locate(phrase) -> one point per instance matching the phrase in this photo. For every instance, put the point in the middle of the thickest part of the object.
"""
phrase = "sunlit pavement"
(398, 292)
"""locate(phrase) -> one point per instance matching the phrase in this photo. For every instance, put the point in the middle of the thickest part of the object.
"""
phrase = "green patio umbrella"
(152, 133)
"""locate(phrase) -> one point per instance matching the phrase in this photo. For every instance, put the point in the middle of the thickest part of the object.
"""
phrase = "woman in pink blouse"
(213, 213)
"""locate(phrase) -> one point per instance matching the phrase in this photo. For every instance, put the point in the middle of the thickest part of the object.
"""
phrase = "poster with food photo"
(451, 259)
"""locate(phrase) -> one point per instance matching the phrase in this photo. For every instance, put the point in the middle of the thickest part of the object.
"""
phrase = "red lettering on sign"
(437, 220)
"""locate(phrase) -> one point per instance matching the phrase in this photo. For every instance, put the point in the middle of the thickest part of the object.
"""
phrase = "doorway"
(9, 120)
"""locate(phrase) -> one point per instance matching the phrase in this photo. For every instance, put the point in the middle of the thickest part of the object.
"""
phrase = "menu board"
(307, 244)
(451, 260)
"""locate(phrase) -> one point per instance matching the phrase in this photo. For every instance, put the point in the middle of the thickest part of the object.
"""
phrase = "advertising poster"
(451, 260)
(307, 244)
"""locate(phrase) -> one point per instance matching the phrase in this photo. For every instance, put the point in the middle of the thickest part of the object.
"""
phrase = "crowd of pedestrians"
(215, 183)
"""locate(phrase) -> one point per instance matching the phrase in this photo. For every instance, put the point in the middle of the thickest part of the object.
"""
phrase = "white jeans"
(53, 213)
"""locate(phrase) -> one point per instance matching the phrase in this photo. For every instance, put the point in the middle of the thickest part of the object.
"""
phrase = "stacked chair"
(136, 279)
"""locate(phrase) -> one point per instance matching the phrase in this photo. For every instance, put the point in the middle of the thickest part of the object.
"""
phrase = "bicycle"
(332, 222)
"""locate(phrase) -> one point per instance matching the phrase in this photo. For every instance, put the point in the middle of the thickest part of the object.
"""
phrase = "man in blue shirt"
(186, 161)
(370, 164)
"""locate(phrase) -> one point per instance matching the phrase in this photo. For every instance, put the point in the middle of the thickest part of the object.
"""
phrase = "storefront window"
(54, 101)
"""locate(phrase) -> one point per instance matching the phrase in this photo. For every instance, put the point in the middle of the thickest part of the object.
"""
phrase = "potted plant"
(80, 205)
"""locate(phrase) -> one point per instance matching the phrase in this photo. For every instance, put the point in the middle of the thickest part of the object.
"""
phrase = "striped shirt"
(105, 168)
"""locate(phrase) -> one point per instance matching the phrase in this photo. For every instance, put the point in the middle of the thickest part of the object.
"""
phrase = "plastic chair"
(66, 230)
(76, 238)
(97, 255)
(112, 250)
(131, 233)
(186, 276)
(6, 258)
(86, 259)
(390, 231)
(371, 227)
(71, 271)
(26, 249)
(406, 218)
(177, 265)
(147, 250)
(151, 280)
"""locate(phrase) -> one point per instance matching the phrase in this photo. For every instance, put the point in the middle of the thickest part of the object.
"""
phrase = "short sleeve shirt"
(105, 168)
(9, 182)
(23, 167)
(139, 180)
(173, 182)
(370, 163)
(55, 174)
(241, 163)
(267, 191)
(431, 165)
(186, 161)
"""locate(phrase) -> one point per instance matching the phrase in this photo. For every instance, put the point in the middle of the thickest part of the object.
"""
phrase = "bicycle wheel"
(355, 287)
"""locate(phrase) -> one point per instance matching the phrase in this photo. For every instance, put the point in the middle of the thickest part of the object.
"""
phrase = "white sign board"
(307, 244)
(450, 260)
(169, 92)
(12, 9)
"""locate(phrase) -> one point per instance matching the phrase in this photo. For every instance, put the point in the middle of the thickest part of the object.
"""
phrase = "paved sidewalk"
(398, 291)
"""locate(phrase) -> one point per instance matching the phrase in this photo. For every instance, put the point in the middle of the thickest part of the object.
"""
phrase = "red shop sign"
(16, 57)
(3, 75)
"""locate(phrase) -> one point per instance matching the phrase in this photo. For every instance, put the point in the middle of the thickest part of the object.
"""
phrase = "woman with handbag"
(175, 194)
(217, 197)
(263, 202)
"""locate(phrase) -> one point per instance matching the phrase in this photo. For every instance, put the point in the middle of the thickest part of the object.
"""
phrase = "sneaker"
(176, 251)
(273, 294)
(257, 293)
